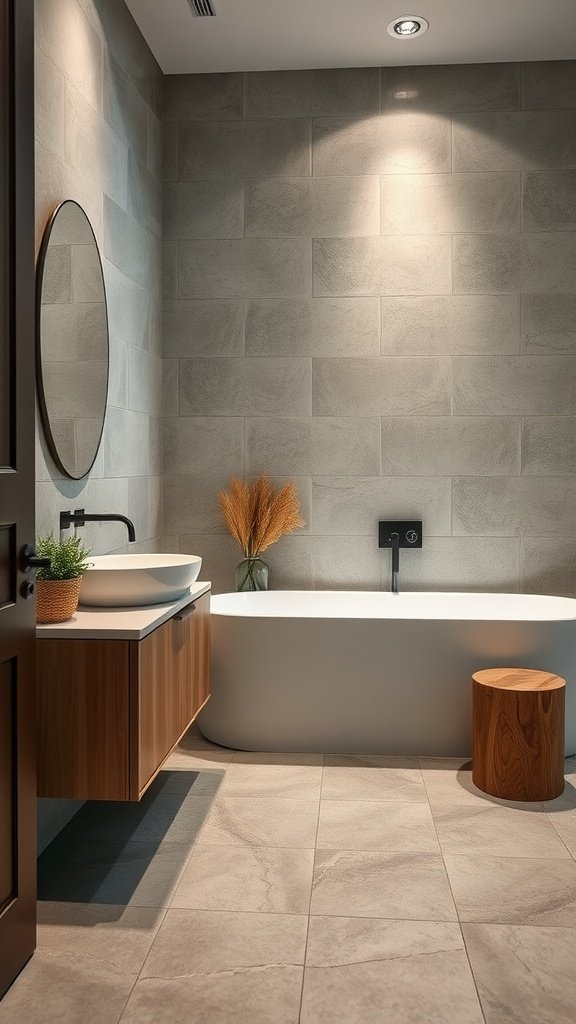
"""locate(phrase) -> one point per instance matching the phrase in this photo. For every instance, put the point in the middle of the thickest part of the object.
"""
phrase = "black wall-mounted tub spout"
(79, 518)
(396, 534)
(395, 538)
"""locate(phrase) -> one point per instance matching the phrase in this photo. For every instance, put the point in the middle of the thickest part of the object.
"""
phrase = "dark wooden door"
(17, 397)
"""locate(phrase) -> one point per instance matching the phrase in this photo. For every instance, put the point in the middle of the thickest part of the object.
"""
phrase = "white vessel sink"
(122, 581)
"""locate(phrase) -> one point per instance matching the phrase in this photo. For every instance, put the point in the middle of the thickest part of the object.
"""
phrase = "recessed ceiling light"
(407, 26)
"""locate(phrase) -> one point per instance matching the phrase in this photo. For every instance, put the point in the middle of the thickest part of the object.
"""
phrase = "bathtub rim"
(244, 612)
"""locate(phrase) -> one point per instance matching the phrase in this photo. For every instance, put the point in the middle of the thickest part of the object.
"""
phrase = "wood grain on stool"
(518, 733)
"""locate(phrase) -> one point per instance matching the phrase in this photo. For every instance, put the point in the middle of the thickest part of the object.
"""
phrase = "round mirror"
(72, 340)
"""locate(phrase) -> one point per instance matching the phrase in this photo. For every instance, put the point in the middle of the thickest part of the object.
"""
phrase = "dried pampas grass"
(257, 516)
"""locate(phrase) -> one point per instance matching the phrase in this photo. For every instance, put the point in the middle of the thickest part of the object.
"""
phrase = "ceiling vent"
(202, 8)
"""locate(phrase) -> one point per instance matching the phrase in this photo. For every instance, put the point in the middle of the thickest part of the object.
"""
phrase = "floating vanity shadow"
(121, 853)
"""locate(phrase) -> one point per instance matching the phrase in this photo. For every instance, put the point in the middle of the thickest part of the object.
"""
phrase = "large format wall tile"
(520, 141)
(514, 385)
(403, 265)
(459, 563)
(318, 206)
(486, 263)
(93, 149)
(418, 261)
(245, 387)
(49, 100)
(324, 446)
(549, 201)
(98, 140)
(125, 109)
(391, 144)
(129, 307)
(548, 565)
(450, 446)
(126, 244)
(65, 34)
(549, 322)
(199, 444)
(192, 502)
(449, 88)
(203, 327)
(203, 97)
(220, 557)
(549, 446)
(549, 262)
(229, 150)
(347, 92)
(428, 203)
(451, 324)
(353, 506)
(388, 386)
(247, 267)
(313, 327)
(529, 506)
(354, 565)
(549, 85)
(203, 209)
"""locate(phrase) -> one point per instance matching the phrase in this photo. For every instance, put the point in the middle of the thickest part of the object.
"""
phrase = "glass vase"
(252, 574)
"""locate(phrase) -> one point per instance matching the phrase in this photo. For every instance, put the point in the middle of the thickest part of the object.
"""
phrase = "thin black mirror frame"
(52, 447)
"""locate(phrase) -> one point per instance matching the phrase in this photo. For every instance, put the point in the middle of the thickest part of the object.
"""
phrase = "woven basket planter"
(57, 600)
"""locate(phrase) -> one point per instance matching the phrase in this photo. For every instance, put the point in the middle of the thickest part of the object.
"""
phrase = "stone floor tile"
(263, 758)
(212, 943)
(362, 971)
(119, 935)
(249, 821)
(509, 890)
(376, 826)
(523, 973)
(289, 782)
(449, 781)
(372, 777)
(404, 886)
(497, 831)
(93, 871)
(86, 964)
(247, 879)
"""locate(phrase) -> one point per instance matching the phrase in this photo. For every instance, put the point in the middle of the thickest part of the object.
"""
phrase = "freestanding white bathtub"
(373, 672)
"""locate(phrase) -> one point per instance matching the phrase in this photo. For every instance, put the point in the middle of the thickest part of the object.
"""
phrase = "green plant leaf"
(68, 558)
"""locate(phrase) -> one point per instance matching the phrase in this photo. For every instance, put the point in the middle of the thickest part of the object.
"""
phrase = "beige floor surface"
(277, 889)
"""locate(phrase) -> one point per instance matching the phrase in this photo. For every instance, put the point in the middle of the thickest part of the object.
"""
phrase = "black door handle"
(30, 560)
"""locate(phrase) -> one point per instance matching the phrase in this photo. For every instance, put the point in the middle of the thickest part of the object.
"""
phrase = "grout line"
(459, 922)
(311, 890)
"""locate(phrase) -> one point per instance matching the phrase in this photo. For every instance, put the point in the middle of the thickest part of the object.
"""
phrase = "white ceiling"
(260, 35)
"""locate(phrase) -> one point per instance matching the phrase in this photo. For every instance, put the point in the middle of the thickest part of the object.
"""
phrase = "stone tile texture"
(411, 231)
(98, 141)
(338, 887)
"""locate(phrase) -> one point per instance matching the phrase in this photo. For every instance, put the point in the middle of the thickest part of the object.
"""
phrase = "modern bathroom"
(287, 512)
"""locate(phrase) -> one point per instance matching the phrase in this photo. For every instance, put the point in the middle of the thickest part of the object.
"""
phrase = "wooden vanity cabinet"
(109, 712)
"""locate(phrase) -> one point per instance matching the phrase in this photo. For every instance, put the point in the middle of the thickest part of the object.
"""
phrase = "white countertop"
(117, 623)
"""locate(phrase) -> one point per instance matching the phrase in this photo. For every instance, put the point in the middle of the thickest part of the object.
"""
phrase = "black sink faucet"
(79, 518)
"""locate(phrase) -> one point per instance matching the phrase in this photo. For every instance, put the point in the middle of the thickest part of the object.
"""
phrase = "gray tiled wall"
(370, 287)
(99, 141)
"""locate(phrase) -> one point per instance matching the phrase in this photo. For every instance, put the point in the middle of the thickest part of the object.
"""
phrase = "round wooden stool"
(518, 733)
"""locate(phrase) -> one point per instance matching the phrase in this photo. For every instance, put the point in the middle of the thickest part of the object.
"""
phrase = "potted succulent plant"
(58, 585)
